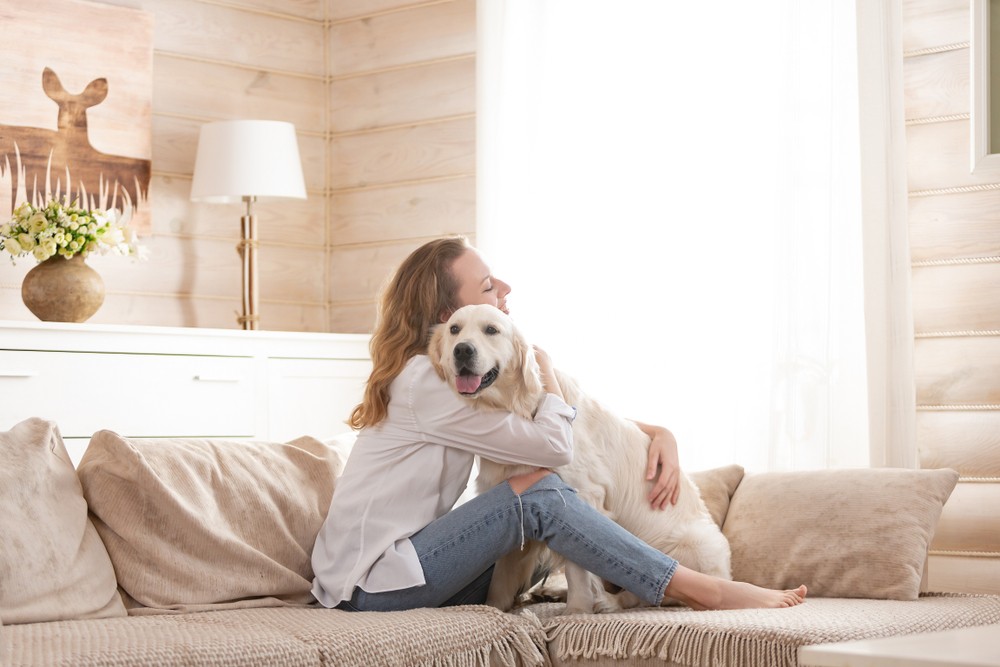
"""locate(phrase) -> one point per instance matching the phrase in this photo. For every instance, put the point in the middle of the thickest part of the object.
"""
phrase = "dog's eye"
(455, 329)
(491, 330)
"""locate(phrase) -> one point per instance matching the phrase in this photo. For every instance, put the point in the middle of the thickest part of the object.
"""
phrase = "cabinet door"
(313, 396)
(139, 395)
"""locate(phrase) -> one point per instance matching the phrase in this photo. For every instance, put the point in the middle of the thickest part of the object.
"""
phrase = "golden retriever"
(480, 353)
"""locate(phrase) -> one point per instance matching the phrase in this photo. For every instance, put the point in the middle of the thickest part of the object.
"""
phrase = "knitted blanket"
(455, 637)
(749, 638)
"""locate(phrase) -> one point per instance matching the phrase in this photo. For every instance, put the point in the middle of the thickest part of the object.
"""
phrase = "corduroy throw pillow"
(53, 565)
(717, 487)
(198, 524)
(844, 533)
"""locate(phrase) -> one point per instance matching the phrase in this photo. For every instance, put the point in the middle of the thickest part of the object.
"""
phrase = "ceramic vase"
(63, 290)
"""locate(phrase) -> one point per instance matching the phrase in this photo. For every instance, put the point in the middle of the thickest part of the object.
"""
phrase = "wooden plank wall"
(954, 218)
(403, 140)
(382, 94)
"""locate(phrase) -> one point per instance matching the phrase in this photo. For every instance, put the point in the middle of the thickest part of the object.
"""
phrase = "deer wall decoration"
(63, 163)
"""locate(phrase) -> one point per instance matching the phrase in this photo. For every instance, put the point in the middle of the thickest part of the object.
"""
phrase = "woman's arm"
(662, 456)
(442, 416)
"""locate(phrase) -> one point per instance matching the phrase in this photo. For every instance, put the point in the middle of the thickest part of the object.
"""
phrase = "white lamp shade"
(247, 158)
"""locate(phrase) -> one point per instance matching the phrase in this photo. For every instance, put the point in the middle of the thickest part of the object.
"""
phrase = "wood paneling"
(411, 153)
(428, 32)
(956, 297)
(931, 23)
(359, 272)
(955, 225)
(970, 520)
(357, 9)
(352, 318)
(435, 90)
(936, 84)
(424, 210)
(963, 574)
(229, 34)
(212, 91)
(966, 441)
(953, 370)
(937, 156)
(957, 371)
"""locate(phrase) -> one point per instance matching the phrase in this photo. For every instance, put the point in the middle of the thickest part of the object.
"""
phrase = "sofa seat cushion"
(748, 638)
(472, 635)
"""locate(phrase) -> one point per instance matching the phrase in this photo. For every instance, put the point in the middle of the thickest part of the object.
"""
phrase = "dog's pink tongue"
(468, 384)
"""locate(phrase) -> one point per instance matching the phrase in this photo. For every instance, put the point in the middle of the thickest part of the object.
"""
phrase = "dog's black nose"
(464, 352)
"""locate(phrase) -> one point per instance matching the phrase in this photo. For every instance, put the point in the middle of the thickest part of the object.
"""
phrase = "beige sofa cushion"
(53, 565)
(717, 487)
(194, 524)
(843, 533)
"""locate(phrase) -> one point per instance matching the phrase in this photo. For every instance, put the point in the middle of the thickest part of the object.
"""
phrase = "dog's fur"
(608, 465)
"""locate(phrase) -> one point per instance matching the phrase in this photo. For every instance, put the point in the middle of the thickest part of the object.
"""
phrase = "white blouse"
(411, 469)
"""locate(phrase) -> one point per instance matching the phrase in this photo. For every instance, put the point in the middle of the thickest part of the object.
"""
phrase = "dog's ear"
(530, 373)
(435, 350)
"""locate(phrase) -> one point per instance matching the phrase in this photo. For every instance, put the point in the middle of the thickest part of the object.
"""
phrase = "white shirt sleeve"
(448, 419)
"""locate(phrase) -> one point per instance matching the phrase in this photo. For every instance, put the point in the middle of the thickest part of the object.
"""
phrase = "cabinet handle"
(17, 374)
(214, 378)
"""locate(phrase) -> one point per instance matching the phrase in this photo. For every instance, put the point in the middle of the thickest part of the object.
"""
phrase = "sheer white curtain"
(673, 191)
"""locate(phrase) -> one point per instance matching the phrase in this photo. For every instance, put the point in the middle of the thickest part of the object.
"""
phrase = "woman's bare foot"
(701, 591)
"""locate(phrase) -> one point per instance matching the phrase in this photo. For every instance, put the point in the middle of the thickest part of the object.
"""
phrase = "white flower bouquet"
(63, 230)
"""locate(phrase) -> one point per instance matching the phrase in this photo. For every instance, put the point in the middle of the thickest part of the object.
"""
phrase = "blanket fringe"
(521, 647)
(686, 646)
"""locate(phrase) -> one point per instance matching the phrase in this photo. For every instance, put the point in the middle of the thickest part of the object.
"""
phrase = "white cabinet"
(179, 382)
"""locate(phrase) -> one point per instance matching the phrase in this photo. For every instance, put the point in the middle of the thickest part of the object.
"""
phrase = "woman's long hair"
(422, 290)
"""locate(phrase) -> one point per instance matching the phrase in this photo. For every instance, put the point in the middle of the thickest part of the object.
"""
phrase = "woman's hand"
(548, 373)
(662, 457)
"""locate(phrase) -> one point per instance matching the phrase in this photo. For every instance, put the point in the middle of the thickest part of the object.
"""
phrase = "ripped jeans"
(458, 550)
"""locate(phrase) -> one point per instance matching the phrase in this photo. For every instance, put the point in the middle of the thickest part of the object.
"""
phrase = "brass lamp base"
(247, 249)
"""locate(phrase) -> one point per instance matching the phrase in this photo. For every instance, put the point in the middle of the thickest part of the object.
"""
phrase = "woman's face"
(476, 285)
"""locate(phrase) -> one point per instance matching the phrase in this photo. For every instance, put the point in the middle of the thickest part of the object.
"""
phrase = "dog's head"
(483, 356)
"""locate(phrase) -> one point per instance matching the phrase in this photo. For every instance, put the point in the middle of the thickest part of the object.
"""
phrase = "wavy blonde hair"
(420, 293)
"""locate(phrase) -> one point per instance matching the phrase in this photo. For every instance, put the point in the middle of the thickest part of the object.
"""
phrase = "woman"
(392, 541)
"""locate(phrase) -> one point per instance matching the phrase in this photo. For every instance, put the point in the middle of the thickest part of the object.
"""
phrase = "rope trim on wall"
(954, 191)
(937, 49)
(968, 554)
(979, 480)
(957, 334)
(952, 261)
(960, 408)
(938, 119)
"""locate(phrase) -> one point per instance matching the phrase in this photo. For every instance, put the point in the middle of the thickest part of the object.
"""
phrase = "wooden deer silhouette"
(64, 163)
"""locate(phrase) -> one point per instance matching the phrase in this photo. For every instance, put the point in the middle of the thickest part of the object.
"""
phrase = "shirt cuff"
(555, 404)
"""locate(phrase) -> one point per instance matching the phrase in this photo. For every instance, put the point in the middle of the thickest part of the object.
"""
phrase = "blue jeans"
(458, 550)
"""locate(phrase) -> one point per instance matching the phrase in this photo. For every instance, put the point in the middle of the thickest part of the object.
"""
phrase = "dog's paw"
(607, 604)
(626, 600)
